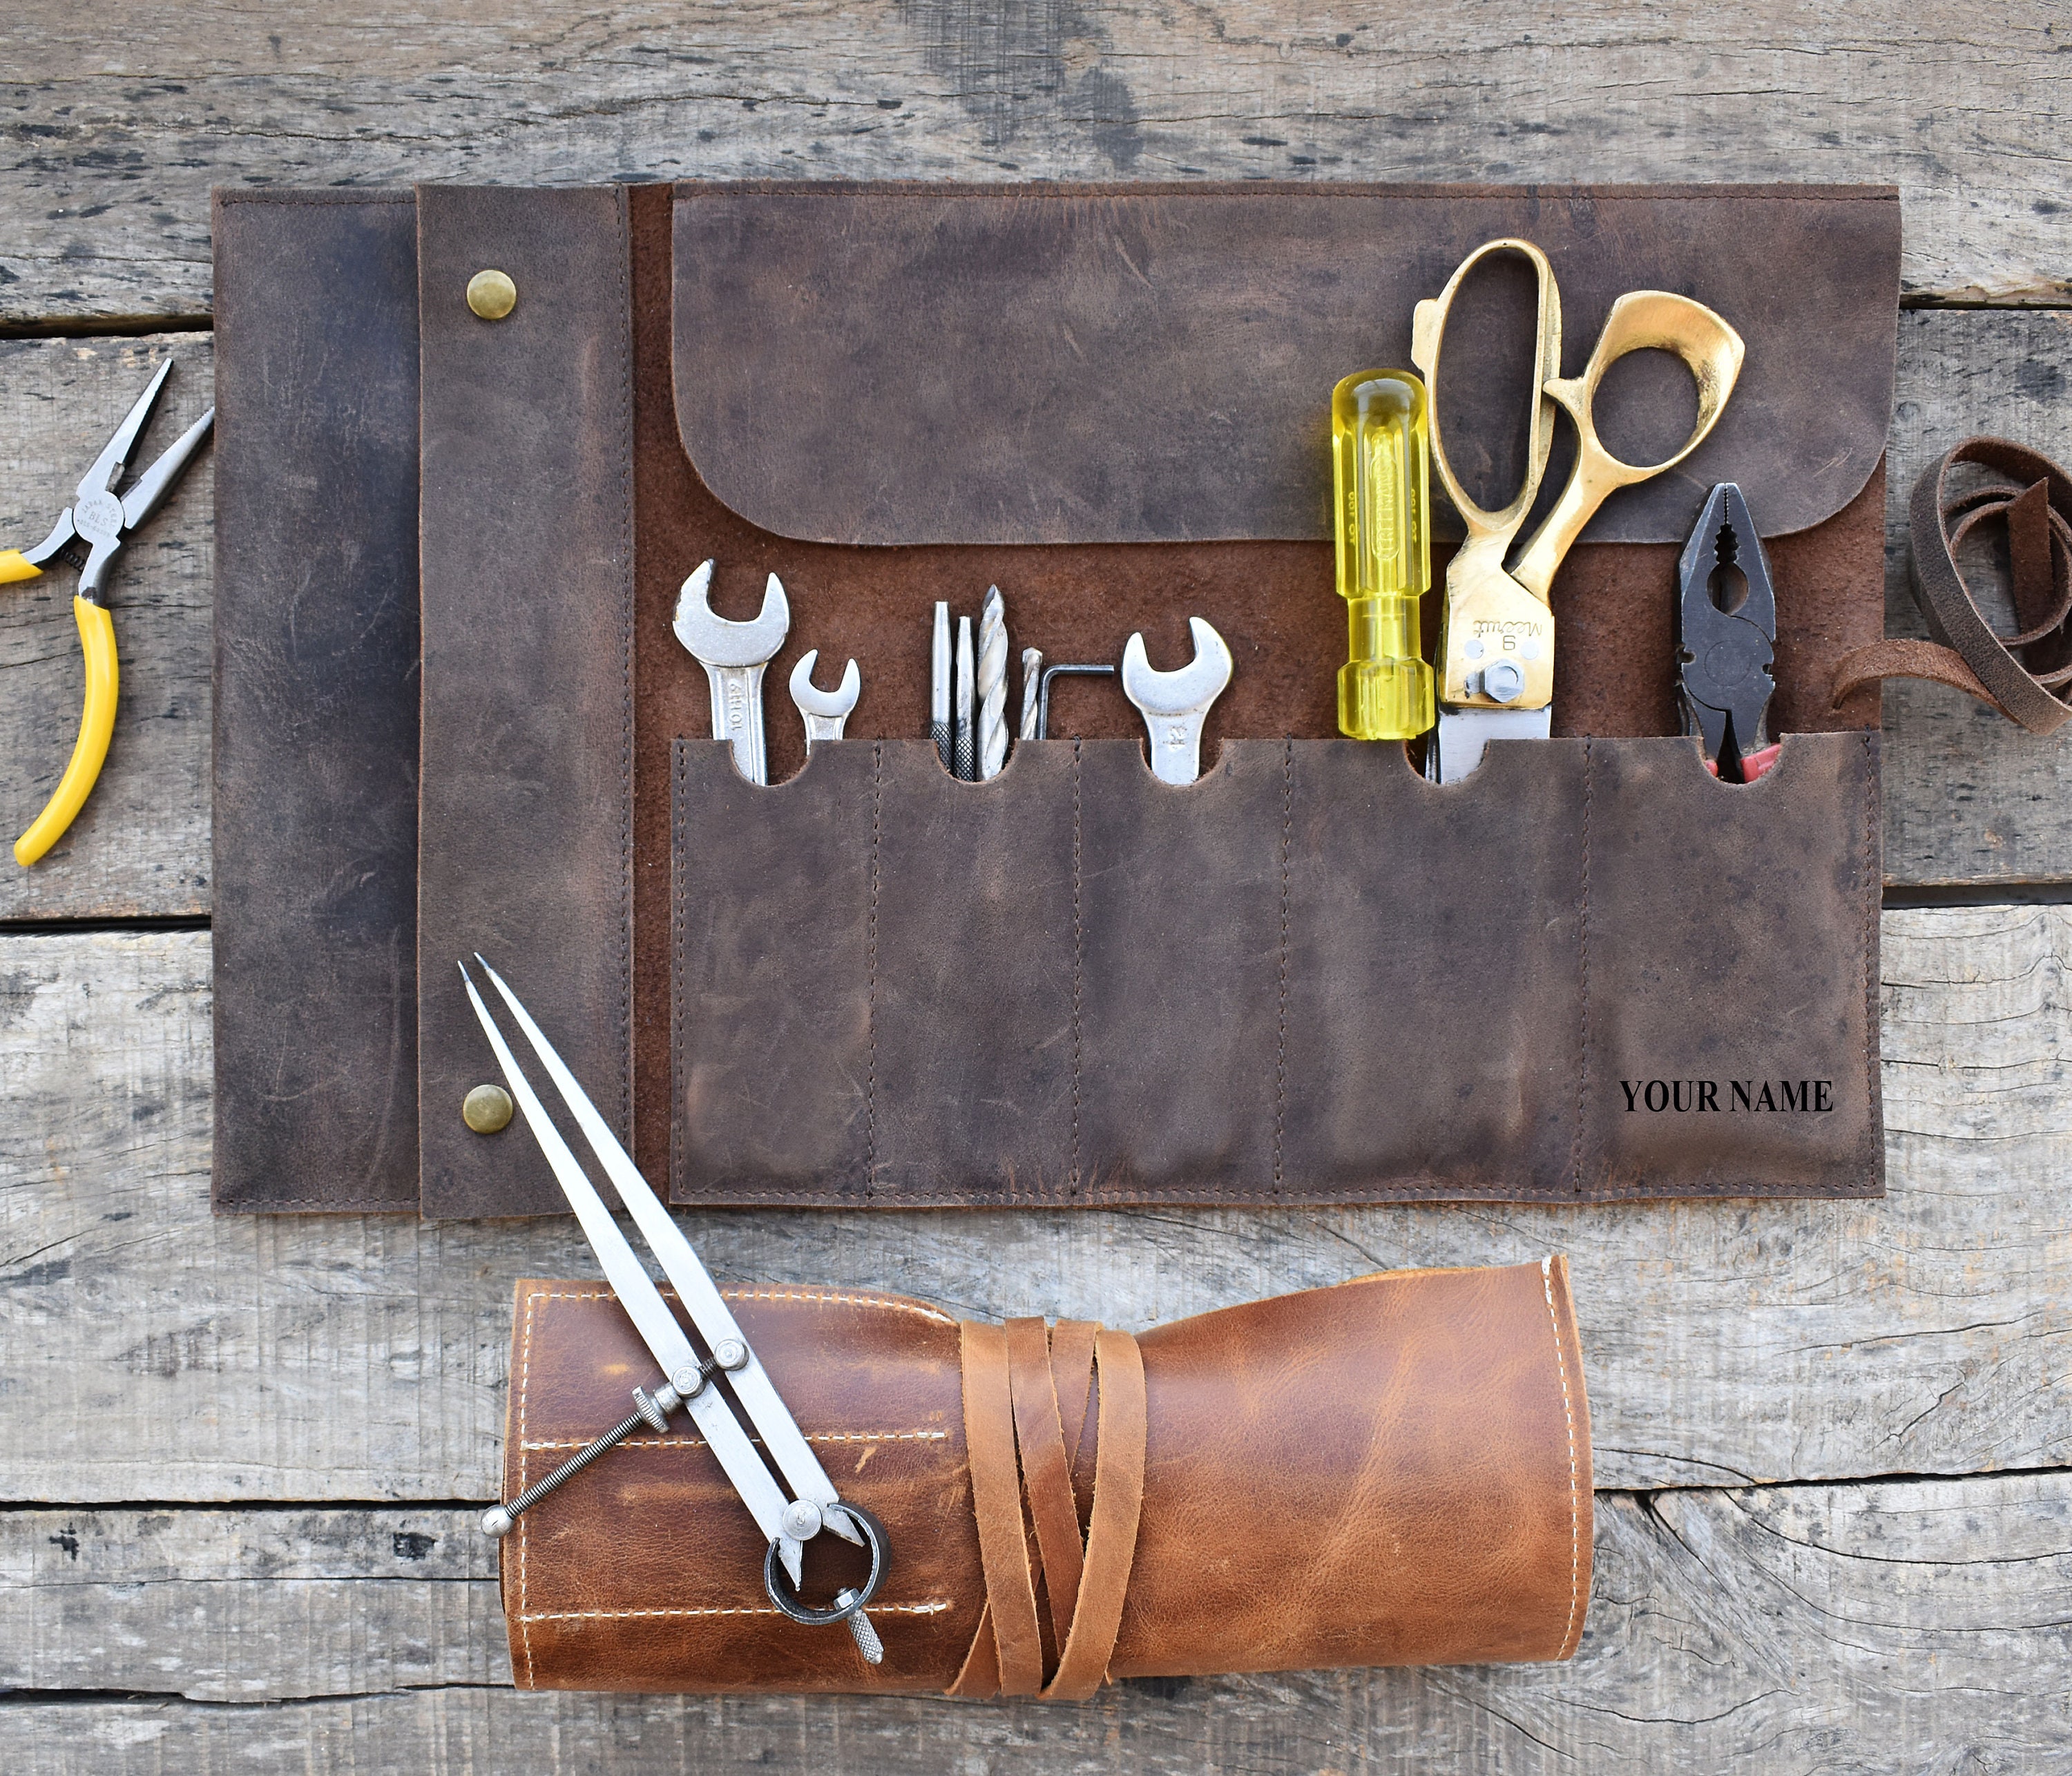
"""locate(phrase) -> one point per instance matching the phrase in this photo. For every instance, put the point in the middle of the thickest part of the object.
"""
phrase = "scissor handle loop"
(778, 1585)
(1428, 332)
(1641, 320)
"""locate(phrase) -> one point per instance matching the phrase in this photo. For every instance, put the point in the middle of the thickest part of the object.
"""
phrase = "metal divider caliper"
(786, 1523)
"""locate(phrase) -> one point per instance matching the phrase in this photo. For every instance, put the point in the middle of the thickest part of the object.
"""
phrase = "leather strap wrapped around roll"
(1394, 1470)
(2024, 674)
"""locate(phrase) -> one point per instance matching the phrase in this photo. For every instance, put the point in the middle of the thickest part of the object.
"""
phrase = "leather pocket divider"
(1587, 971)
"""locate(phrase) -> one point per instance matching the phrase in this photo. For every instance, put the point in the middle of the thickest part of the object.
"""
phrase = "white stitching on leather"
(827, 1295)
(699, 1442)
(892, 1301)
(934, 1609)
(1575, 1478)
(525, 1376)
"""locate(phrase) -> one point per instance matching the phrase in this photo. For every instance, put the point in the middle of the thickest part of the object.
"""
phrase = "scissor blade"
(156, 482)
(108, 466)
(701, 1299)
(1453, 748)
(638, 1295)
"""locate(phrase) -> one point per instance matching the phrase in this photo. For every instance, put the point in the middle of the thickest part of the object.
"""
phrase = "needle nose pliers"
(89, 534)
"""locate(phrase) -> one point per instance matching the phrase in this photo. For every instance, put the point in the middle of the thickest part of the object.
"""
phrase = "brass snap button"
(487, 1109)
(492, 295)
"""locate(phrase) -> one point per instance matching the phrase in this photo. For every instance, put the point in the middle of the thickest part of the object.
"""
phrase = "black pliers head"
(1726, 636)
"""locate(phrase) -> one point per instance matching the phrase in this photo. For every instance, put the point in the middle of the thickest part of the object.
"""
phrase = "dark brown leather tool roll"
(1110, 401)
(1393, 1471)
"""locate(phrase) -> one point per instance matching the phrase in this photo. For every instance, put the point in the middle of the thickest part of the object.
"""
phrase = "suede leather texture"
(892, 364)
(1393, 1471)
(525, 791)
(1299, 979)
(562, 510)
(1071, 984)
(315, 832)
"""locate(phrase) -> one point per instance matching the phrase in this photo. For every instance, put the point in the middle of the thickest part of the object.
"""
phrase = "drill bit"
(967, 761)
(992, 685)
(938, 688)
(1032, 680)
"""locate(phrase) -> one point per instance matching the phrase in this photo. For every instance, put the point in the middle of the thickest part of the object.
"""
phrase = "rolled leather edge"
(1392, 1470)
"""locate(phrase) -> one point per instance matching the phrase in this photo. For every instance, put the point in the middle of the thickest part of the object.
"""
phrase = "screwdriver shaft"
(938, 688)
(967, 758)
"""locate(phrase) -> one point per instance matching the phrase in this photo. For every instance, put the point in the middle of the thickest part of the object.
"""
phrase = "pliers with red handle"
(89, 534)
(1726, 636)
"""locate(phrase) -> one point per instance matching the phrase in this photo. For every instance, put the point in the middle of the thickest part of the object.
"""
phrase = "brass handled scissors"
(89, 534)
(1496, 646)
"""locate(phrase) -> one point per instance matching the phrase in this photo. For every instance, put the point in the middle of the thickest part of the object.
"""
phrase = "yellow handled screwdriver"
(1380, 468)
(89, 534)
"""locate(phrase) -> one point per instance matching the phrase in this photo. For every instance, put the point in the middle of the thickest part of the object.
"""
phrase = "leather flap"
(1053, 363)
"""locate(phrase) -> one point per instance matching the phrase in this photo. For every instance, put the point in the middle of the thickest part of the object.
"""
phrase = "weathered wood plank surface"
(248, 1605)
(148, 1352)
(1915, 1627)
(1968, 797)
(116, 135)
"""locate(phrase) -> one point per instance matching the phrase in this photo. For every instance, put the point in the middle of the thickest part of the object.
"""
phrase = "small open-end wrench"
(825, 711)
(733, 655)
(1175, 704)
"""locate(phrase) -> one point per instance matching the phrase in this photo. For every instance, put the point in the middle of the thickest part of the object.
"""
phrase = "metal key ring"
(774, 1581)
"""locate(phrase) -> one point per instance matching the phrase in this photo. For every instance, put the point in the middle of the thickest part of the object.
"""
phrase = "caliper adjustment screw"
(644, 1404)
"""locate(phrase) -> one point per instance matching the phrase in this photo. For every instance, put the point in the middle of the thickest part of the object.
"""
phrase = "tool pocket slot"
(873, 979)
(970, 1079)
(769, 965)
(1179, 963)
(1731, 1014)
(1310, 976)
(1432, 1020)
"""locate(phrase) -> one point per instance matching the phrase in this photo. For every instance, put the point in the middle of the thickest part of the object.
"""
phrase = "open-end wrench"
(733, 655)
(1175, 704)
(825, 711)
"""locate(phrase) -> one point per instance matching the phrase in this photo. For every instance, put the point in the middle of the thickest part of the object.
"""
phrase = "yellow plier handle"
(97, 722)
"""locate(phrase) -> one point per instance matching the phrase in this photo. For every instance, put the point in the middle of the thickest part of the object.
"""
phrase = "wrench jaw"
(824, 712)
(1175, 706)
(733, 656)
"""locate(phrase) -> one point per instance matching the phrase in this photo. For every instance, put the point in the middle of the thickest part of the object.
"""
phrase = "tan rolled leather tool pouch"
(451, 713)
(1394, 1471)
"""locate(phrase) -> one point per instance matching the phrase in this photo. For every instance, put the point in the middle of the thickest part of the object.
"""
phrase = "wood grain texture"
(1969, 798)
(151, 1352)
(140, 846)
(116, 134)
(1912, 1626)
(246, 1605)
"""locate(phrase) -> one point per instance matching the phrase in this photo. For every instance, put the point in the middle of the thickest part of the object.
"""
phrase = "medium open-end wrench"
(733, 655)
(825, 711)
(1175, 704)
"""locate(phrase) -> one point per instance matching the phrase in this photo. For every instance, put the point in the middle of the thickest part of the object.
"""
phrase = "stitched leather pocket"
(1311, 977)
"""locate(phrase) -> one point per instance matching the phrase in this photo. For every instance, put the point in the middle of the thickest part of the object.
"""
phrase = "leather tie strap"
(1010, 1624)
(2035, 503)
(1026, 1411)
(1039, 1433)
